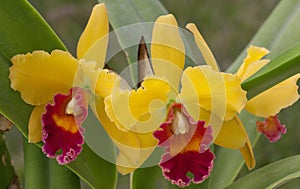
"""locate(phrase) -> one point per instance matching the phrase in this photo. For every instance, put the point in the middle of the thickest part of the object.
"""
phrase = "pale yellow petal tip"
(254, 53)
(96, 28)
(253, 49)
(248, 155)
(124, 165)
(125, 170)
(167, 19)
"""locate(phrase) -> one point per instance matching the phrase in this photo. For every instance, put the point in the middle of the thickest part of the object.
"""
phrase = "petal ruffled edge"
(134, 148)
(140, 110)
(254, 53)
(271, 128)
(62, 131)
(175, 168)
(38, 76)
(268, 104)
(217, 92)
(186, 147)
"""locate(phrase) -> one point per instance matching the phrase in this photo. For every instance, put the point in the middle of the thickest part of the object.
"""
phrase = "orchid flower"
(268, 103)
(185, 120)
(46, 81)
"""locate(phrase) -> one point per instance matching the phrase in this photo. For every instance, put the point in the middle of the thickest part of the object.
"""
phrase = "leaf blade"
(273, 174)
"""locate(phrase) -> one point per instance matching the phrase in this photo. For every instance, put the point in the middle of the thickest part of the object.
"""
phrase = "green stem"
(35, 164)
(61, 177)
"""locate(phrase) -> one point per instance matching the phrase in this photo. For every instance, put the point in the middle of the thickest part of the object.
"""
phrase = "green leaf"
(231, 161)
(7, 173)
(280, 68)
(270, 176)
(11, 104)
(35, 166)
(278, 33)
(23, 30)
(146, 178)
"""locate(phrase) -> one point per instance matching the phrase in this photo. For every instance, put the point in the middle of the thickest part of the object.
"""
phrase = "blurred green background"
(227, 27)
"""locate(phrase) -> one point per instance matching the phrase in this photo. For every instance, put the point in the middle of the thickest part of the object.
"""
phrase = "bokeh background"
(227, 27)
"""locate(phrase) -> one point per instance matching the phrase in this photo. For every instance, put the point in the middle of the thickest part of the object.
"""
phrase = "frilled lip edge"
(197, 159)
(62, 133)
(271, 128)
(175, 169)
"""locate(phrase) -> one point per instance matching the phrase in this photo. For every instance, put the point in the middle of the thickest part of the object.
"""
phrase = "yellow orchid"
(46, 81)
(268, 103)
(186, 120)
(232, 134)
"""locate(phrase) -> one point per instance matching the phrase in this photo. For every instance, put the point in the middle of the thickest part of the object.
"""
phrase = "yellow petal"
(140, 110)
(235, 96)
(35, 124)
(93, 41)
(39, 75)
(254, 67)
(254, 54)
(167, 49)
(203, 47)
(248, 155)
(232, 134)
(134, 148)
(271, 101)
(105, 83)
(219, 93)
(99, 81)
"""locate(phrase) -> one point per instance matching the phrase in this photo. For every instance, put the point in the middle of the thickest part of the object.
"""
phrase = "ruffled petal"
(140, 110)
(93, 41)
(219, 93)
(176, 168)
(35, 124)
(271, 128)
(203, 47)
(187, 142)
(271, 101)
(134, 148)
(62, 131)
(99, 81)
(167, 50)
(105, 83)
(254, 54)
(253, 68)
(39, 75)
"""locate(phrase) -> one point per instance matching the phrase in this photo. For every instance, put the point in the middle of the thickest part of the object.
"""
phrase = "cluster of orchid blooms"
(182, 110)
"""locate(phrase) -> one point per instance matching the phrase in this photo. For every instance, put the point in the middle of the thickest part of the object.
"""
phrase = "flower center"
(72, 108)
(180, 124)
